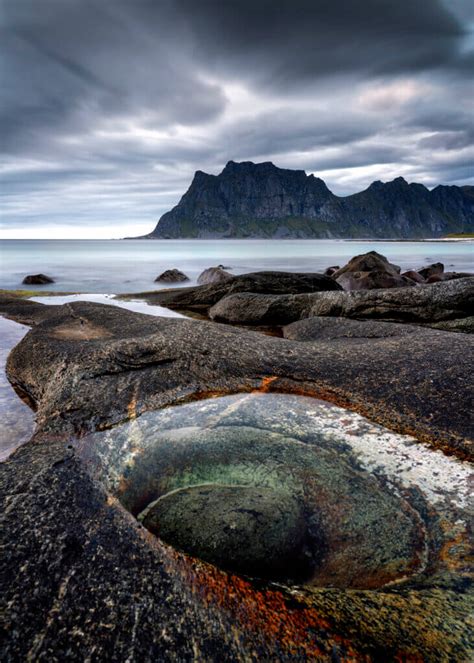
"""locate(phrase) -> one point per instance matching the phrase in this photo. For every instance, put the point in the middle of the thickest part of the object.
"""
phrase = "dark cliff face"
(261, 200)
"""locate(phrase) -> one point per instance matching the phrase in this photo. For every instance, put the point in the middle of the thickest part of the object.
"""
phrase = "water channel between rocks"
(290, 489)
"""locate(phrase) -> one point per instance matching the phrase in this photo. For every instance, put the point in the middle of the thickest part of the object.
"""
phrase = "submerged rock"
(172, 276)
(252, 530)
(37, 279)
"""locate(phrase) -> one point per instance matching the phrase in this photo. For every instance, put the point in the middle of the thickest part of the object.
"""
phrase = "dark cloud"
(108, 106)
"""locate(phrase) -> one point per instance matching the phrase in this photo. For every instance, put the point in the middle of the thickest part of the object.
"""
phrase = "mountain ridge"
(248, 200)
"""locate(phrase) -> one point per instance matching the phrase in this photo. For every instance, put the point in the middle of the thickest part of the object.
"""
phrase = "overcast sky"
(109, 106)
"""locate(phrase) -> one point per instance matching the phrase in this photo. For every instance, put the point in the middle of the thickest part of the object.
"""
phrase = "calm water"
(116, 266)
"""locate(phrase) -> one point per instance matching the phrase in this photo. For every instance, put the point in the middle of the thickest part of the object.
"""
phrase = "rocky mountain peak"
(261, 200)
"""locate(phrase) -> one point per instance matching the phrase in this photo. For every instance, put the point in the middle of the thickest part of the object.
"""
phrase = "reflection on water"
(286, 488)
(136, 306)
(17, 418)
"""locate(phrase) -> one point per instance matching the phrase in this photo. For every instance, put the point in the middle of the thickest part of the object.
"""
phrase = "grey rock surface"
(83, 580)
(431, 303)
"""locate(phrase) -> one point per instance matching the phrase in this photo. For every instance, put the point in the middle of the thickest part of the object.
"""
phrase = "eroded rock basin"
(290, 489)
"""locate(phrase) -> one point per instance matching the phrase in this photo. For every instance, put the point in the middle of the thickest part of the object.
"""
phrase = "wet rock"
(256, 531)
(37, 279)
(142, 362)
(201, 297)
(431, 270)
(213, 275)
(431, 303)
(81, 558)
(248, 308)
(172, 276)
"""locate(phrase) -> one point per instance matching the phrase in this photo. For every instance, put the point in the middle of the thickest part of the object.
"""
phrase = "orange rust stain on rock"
(402, 657)
(457, 552)
(267, 382)
(287, 624)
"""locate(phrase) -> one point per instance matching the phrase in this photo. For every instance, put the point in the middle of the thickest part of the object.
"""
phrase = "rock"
(414, 276)
(255, 531)
(37, 279)
(142, 362)
(99, 577)
(368, 262)
(460, 325)
(172, 276)
(435, 278)
(329, 271)
(248, 308)
(201, 297)
(213, 275)
(317, 328)
(431, 303)
(447, 276)
(370, 271)
(375, 279)
(431, 270)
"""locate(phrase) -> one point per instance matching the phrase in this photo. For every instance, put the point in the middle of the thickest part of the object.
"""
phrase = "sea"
(98, 269)
(119, 266)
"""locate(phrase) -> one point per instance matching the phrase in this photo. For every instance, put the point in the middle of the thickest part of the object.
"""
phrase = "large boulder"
(370, 271)
(439, 301)
(368, 262)
(37, 279)
(172, 276)
(248, 308)
(213, 275)
(375, 279)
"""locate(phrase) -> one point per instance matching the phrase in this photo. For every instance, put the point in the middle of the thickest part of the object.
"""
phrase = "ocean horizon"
(120, 266)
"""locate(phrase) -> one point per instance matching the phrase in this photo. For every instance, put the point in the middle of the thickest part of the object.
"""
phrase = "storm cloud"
(109, 106)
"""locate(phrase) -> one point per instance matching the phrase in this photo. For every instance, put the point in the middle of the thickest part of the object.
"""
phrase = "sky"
(108, 107)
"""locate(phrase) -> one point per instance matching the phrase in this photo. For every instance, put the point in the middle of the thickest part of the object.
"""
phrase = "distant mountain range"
(263, 201)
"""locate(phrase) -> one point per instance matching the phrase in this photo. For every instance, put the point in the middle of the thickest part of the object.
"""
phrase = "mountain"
(261, 200)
